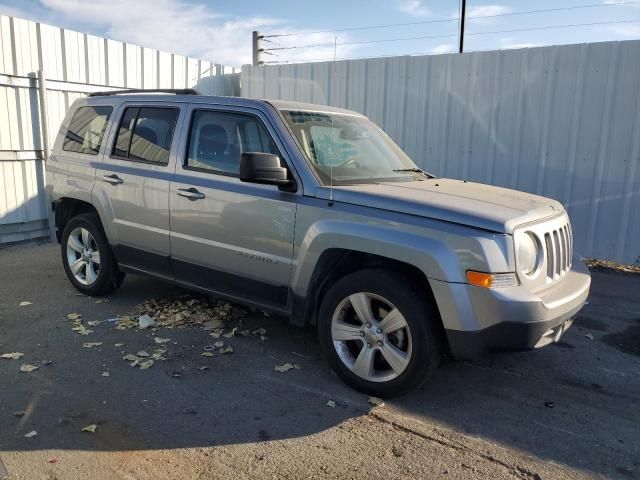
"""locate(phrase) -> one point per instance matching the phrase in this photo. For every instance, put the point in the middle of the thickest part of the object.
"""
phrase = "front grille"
(559, 251)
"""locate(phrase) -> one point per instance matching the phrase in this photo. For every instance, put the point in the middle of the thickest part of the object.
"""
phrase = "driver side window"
(217, 139)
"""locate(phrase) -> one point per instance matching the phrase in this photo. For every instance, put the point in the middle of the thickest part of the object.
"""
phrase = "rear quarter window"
(86, 130)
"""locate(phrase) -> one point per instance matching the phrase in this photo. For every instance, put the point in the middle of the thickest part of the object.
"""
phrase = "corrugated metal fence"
(74, 64)
(560, 121)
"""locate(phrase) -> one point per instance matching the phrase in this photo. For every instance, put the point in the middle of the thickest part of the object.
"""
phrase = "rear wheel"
(378, 332)
(87, 257)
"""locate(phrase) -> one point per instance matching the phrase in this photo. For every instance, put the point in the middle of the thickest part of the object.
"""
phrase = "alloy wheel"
(83, 256)
(371, 337)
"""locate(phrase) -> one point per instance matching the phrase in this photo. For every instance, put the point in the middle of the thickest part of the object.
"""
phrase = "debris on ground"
(160, 340)
(286, 367)
(145, 321)
(227, 349)
(12, 355)
(143, 353)
(102, 300)
(24, 304)
(589, 336)
(376, 402)
(78, 327)
(549, 404)
(118, 344)
(90, 428)
(46, 362)
(26, 368)
(105, 374)
(599, 264)
(189, 309)
(331, 403)
(231, 333)
(31, 434)
(91, 344)
(207, 354)
(146, 364)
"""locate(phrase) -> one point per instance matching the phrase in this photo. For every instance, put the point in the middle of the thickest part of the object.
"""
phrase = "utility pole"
(462, 17)
(257, 51)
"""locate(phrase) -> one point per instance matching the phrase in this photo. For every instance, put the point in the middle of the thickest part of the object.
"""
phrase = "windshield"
(350, 149)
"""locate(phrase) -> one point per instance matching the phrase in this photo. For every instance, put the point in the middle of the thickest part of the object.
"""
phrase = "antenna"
(331, 89)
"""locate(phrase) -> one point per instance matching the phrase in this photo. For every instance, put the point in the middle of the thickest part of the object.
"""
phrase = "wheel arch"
(66, 208)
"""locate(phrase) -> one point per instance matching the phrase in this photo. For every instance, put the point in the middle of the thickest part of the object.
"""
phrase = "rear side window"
(86, 130)
(145, 134)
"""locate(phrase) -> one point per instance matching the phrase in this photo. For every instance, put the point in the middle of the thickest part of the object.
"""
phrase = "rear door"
(228, 236)
(132, 183)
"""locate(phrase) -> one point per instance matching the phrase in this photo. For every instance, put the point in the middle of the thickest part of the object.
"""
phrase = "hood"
(474, 204)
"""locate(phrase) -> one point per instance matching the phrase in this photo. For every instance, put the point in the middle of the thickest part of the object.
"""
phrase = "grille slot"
(558, 245)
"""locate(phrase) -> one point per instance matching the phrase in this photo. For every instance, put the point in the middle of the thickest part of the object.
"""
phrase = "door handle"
(113, 179)
(190, 193)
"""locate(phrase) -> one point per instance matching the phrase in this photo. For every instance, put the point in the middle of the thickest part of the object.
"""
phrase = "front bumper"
(514, 318)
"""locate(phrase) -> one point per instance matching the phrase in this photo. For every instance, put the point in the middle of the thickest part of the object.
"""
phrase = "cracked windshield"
(350, 149)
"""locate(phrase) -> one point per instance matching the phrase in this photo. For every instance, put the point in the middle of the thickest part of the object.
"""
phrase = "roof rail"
(175, 91)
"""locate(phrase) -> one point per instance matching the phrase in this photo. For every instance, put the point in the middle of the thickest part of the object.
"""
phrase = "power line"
(424, 37)
(425, 22)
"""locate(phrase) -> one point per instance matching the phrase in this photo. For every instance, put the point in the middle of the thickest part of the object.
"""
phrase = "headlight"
(527, 253)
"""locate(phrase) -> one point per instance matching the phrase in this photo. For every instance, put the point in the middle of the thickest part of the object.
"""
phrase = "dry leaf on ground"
(90, 428)
(283, 368)
(227, 349)
(378, 402)
(31, 434)
(24, 304)
(331, 403)
(160, 340)
(105, 374)
(74, 316)
(146, 364)
(91, 344)
(26, 368)
(12, 355)
(206, 354)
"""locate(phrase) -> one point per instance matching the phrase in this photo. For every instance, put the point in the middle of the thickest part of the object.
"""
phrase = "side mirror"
(263, 168)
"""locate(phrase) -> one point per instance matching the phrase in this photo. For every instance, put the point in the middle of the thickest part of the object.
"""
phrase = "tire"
(84, 245)
(359, 354)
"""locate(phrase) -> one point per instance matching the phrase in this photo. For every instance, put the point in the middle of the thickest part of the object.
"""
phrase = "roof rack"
(175, 91)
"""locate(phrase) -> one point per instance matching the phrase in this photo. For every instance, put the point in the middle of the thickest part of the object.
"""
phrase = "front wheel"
(87, 257)
(378, 332)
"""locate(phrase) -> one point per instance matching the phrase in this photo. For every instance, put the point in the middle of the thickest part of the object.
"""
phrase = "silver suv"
(314, 213)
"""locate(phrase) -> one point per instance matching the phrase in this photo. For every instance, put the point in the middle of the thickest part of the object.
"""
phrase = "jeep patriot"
(314, 213)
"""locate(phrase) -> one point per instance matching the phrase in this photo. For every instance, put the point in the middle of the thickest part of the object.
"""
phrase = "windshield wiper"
(414, 170)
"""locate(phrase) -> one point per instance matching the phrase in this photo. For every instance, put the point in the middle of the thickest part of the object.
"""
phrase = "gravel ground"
(571, 410)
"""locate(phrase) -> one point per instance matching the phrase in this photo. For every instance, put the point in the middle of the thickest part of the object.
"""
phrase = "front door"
(228, 236)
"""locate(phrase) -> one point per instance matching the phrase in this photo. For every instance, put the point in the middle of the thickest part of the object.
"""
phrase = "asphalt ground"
(571, 410)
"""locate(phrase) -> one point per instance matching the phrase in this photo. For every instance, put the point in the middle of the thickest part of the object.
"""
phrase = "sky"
(220, 30)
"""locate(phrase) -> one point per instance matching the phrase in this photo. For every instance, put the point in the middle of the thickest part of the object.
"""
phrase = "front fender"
(432, 256)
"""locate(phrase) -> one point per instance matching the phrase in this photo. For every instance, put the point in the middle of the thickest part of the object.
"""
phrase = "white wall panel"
(74, 64)
(560, 121)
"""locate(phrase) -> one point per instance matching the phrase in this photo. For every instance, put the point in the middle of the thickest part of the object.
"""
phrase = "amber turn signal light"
(480, 279)
(491, 280)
